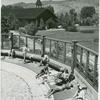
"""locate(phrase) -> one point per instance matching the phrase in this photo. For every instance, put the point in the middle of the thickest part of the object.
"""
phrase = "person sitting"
(45, 69)
(44, 61)
(60, 78)
(63, 84)
(81, 93)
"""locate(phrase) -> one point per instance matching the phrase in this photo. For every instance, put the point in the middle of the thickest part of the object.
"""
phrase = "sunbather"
(63, 84)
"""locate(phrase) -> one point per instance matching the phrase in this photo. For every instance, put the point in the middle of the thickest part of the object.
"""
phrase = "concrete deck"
(91, 93)
(23, 77)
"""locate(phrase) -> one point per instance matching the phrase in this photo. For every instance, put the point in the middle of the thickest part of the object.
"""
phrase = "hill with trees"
(64, 5)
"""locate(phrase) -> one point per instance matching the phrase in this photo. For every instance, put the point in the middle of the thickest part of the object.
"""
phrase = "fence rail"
(67, 52)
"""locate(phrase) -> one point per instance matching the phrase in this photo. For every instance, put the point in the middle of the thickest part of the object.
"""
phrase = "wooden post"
(11, 39)
(26, 41)
(19, 41)
(95, 68)
(81, 56)
(50, 49)
(87, 63)
(2, 42)
(43, 45)
(57, 50)
(34, 44)
(74, 55)
(64, 52)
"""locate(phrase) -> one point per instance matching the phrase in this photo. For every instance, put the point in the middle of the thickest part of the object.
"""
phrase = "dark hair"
(66, 71)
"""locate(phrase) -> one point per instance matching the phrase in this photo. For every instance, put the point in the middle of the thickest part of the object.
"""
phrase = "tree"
(87, 12)
(50, 8)
(42, 25)
(31, 29)
(22, 30)
(4, 25)
(73, 17)
(67, 17)
(13, 21)
(51, 23)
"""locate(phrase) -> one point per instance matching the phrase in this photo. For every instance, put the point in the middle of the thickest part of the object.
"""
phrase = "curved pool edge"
(54, 64)
(27, 75)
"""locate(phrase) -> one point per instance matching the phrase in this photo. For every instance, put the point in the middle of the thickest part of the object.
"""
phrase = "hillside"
(63, 6)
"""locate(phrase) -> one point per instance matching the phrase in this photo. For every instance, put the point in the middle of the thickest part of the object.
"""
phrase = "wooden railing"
(68, 52)
(87, 64)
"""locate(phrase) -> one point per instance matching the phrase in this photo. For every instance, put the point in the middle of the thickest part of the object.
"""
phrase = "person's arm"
(76, 94)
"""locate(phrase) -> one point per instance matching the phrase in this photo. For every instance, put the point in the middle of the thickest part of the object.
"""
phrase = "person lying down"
(64, 83)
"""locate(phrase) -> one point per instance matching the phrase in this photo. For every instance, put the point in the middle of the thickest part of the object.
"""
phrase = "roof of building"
(29, 13)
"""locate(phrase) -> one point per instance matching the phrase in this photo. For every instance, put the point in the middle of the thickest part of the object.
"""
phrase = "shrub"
(88, 11)
(31, 29)
(71, 28)
(88, 31)
(51, 24)
(22, 30)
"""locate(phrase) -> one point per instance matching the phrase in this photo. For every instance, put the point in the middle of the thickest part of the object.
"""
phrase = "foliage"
(50, 8)
(13, 21)
(31, 29)
(87, 12)
(89, 30)
(51, 24)
(11, 7)
(4, 25)
(69, 20)
(22, 30)
(42, 25)
(73, 17)
(9, 23)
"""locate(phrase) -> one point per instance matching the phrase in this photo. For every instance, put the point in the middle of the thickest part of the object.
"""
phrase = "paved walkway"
(24, 82)
(19, 83)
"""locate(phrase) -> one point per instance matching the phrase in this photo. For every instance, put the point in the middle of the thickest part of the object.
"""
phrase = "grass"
(87, 39)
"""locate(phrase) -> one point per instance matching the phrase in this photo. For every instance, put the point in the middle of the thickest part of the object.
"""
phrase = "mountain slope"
(63, 6)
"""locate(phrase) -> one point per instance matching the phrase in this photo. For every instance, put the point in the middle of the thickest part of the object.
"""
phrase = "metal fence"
(67, 52)
(87, 64)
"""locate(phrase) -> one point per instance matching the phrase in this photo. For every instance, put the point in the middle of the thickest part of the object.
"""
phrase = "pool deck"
(92, 95)
(27, 72)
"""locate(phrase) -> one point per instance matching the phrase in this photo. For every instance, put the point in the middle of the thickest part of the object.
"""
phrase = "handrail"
(58, 40)
(87, 49)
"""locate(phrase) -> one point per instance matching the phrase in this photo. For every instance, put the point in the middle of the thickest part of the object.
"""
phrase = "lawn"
(89, 40)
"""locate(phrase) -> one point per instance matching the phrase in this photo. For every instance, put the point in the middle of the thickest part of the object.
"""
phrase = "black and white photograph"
(49, 50)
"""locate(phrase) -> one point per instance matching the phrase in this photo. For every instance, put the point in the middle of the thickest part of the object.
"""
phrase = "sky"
(7, 2)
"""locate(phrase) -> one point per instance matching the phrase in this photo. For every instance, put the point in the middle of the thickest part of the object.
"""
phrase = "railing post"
(43, 45)
(95, 68)
(74, 55)
(2, 42)
(64, 52)
(81, 56)
(50, 48)
(11, 39)
(87, 63)
(34, 44)
(19, 41)
(26, 41)
(57, 49)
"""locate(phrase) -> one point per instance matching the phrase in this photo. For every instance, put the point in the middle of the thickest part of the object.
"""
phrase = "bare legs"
(58, 89)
